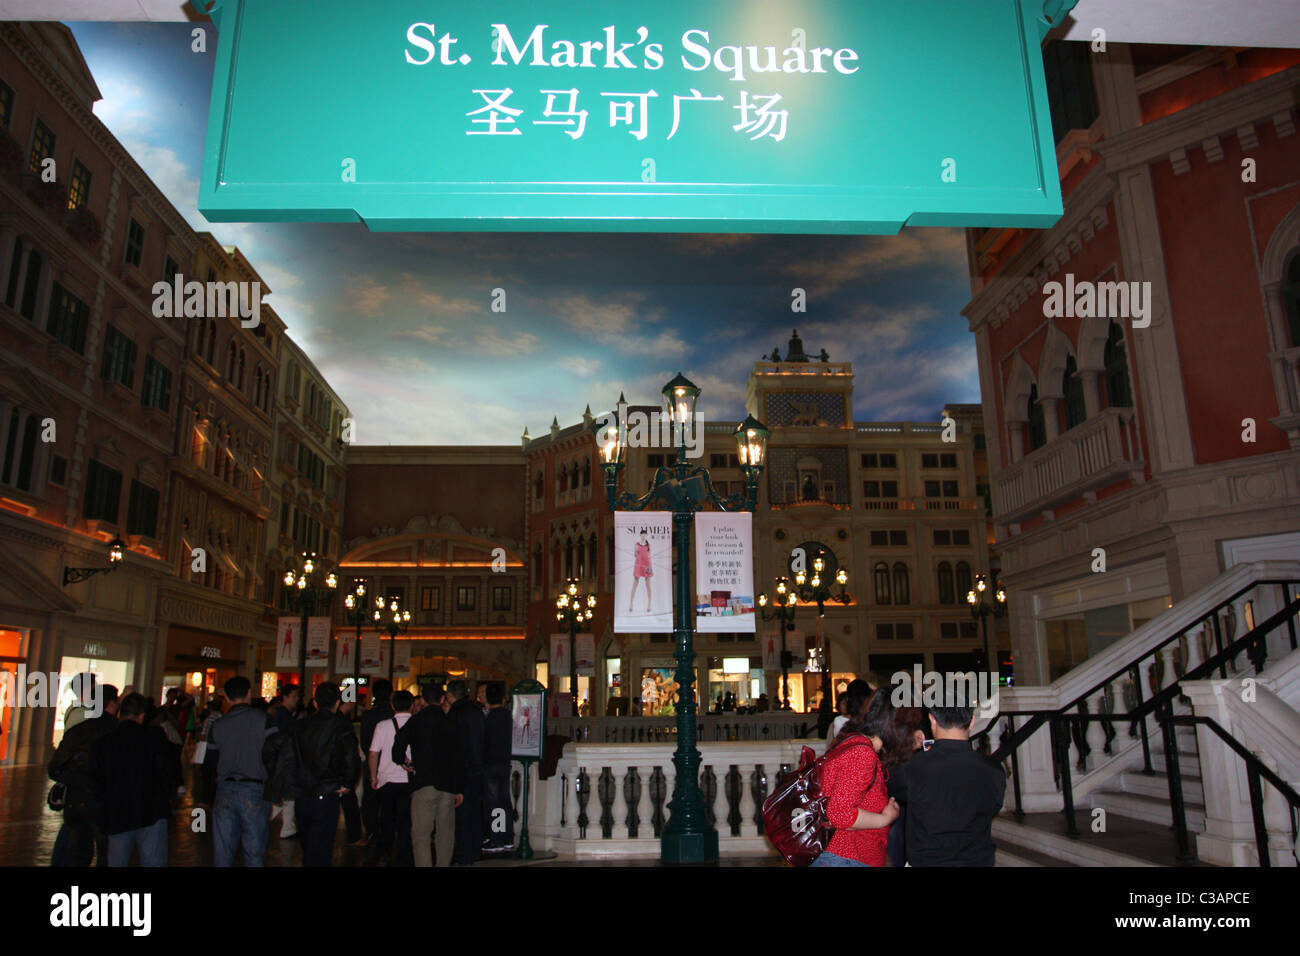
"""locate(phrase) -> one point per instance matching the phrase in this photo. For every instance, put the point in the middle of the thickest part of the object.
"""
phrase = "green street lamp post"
(982, 606)
(810, 590)
(395, 623)
(355, 602)
(683, 489)
(783, 606)
(308, 591)
(572, 611)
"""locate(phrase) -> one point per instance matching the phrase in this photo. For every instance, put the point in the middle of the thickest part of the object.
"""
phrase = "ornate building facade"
(1138, 360)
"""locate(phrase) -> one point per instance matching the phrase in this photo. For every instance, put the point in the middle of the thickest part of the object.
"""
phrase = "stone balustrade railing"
(611, 800)
(769, 726)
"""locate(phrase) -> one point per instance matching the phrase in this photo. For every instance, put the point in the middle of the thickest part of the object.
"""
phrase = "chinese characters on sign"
(822, 117)
(757, 115)
(724, 572)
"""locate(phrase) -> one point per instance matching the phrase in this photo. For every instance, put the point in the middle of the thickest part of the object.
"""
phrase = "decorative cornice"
(1233, 113)
(1045, 253)
(434, 524)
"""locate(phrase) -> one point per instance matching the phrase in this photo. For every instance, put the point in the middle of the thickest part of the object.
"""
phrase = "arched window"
(239, 379)
(539, 485)
(586, 473)
(573, 477)
(200, 344)
(568, 559)
(580, 560)
(1076, 411)
(808, 491)
(947, 595)
(1037, 427)
(232, 357)
(563, 477)
(902, 589)
(257, 386)
(1291, 298)
(1119, 393)
(592, 567)
(963, 580)
(212, 343)
(881, 575)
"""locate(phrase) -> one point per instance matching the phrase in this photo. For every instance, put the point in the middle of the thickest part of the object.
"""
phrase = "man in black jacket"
(429, 746)
(470, 725)
(498, 730)
(82, 834)
(951, 794)
(135, 777)
(314, 764)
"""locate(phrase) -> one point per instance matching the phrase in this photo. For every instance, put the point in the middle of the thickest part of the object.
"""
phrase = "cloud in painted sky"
(401, 323)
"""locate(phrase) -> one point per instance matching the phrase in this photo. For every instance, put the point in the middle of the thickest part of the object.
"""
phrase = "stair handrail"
(1039, 717)
(1255, 771)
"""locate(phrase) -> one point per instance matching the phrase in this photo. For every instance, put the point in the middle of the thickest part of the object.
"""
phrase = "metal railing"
(1069, 723)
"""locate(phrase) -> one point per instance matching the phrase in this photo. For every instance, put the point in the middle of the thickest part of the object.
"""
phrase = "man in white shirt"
(389, 782)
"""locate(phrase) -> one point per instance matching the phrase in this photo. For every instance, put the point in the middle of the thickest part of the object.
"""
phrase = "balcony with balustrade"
(1101, 451)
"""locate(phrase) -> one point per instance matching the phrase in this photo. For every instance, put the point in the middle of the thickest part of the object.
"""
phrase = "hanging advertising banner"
(585, 652)
(559, 659)
(724, 572)
(345, 650)
(318, 642)
(402, 659)
(643, 572)
(825, 116)
(287, 635)
(380, 667)
(370, 652)
(772, 651)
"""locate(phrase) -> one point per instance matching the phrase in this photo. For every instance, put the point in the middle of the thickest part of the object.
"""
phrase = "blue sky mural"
(401, 325)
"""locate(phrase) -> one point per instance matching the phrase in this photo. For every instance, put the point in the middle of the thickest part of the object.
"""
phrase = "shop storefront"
(112, 662)
(204, 643)
(199, 663)
(12, 654)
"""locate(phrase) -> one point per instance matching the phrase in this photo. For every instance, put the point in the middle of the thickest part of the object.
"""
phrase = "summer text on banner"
(643, 572)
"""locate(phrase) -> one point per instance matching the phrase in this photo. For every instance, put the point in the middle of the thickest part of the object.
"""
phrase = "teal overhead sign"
(815, 116)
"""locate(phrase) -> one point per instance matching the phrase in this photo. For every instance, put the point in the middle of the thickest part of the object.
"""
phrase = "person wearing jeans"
(151, 841)
(241, 815)
(135, 777)
(240, 818)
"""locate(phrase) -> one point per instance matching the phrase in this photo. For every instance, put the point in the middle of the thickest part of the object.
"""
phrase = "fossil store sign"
(821, 116)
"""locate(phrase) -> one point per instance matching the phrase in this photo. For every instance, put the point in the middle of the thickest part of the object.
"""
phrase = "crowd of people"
(433, 773)
(424, 780)
(904, 786)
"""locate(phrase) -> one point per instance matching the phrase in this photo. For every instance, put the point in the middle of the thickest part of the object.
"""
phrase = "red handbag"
(794, 816)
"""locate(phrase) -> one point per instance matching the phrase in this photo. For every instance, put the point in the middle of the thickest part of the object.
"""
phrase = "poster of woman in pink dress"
(641, 571)
(643, 547)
